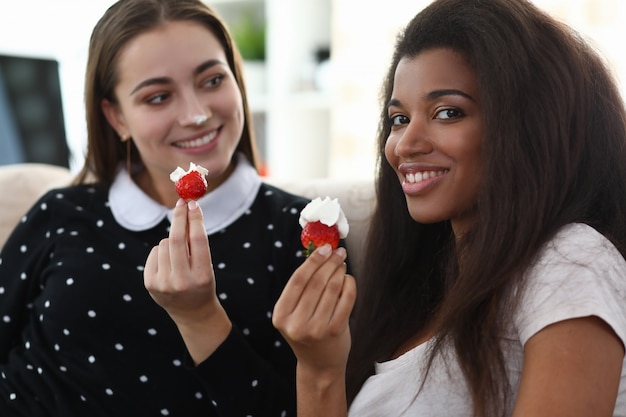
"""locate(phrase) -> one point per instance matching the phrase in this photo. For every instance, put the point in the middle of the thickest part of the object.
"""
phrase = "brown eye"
(448, 114)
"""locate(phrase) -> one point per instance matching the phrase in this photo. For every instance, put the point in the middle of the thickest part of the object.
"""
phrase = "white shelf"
(291, 117)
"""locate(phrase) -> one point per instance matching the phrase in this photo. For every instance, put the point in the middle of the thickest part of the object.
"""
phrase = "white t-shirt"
(579, 273)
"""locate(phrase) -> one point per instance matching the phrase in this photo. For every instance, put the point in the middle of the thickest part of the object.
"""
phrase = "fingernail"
(341, 251)
(180, 202)
(324, 250)
(193, 204)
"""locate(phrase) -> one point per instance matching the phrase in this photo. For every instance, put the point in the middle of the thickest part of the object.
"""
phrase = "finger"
(150, 269)
(164, 265)
(345, 304)
(199, 251)
(178, 237)
(294, 289)
(315, 286)
(329, 297)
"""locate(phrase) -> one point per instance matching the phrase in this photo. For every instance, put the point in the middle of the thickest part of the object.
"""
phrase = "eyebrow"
(165, 80)
(433, 95)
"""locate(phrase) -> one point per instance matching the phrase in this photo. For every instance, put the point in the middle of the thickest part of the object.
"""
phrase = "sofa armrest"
(21, 185)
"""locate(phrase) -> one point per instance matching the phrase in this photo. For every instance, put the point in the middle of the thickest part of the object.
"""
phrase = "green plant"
(249, 35)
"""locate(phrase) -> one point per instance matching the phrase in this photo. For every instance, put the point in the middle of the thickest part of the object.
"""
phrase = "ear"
(115, 118)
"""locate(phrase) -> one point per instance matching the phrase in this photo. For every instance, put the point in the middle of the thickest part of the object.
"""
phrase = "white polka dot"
(23, 276)
(44, 206)
(109, 391)
(221, 265)
(277, 343)
(91, 313)
(69, 281)
(66, 332)
(121, 246)
(73, 233)
(199, 395)
(89, 250)
(23, 248)
(255, 383)
(152, 332)
(270, 268)
(60, 230)
(247, 245)
(278, 244)
(246, 331)
(47, 304)
(140, 268)
(91, 359)
(1, 290)
(27, 344)
(119, 346)
(39, 371)
(99, 223)
(127, 297)
(270, 227)
(63, 368)
(6, 319)
(106, 267)
(177, 362)
(293, 210)
(57, 347)
(223, 296)
(12, 396)
(283, 413)
(165, 412)
(250, 281)
(143, 378)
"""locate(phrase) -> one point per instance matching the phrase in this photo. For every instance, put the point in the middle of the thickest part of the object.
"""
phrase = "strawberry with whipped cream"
(323, 221)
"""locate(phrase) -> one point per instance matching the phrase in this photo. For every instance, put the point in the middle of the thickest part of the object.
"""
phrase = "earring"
(128, 154)
(200, 119)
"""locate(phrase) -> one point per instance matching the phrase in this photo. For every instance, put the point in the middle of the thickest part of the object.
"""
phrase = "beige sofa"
(22, 184)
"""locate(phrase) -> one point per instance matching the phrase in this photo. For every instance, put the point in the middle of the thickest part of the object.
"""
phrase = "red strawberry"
(315, 234)
(191, 186)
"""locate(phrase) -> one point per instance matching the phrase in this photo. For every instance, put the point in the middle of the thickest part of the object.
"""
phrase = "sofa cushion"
(21, 185)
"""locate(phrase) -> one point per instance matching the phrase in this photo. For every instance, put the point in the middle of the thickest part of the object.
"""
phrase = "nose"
(413, 140)
(193, 113)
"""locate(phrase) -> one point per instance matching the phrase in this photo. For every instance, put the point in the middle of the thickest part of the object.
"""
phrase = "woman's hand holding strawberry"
(180, 278)
(312, 314)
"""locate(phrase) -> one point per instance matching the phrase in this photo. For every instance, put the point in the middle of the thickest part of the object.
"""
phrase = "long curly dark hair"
(554, 153)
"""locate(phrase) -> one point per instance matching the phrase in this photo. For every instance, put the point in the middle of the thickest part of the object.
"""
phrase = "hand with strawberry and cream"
(322, 221)
(314, 308)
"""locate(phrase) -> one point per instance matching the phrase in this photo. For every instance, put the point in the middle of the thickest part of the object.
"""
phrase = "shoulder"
(579, 244)
(578, 273)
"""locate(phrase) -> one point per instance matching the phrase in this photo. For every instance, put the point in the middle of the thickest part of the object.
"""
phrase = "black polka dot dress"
(80, 335)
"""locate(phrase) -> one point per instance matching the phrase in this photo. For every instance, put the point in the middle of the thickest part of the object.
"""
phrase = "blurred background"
(313, 68)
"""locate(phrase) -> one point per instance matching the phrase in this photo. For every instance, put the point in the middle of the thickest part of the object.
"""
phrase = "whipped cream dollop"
(327, 211)
(178, 173)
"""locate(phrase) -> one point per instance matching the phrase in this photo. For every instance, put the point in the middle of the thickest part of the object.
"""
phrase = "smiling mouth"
(413, 178)
(197, 142)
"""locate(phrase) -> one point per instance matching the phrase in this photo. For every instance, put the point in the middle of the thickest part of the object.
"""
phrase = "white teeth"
(197, 142)
(421, 176)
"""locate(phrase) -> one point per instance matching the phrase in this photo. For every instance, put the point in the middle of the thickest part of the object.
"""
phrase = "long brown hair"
(121, 23)
(554, 152)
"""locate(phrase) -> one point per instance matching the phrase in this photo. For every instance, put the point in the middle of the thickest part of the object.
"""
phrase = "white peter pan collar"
(135, 210)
